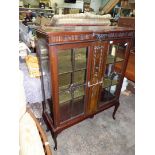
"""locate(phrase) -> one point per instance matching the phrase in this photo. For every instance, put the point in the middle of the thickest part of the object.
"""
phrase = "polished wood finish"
(98, 59)
(130, 71)
(126, 22)
(96, 41)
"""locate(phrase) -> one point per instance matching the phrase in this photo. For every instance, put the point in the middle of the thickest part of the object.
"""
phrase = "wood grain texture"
(96, 74)
(54, 81)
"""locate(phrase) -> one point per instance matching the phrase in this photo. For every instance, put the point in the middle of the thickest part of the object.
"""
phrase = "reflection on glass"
(64, 81)
(64, 96)
(79, 92)
(80, 58)
(64, 59)
(44, 66)
(111, 59)
(107, 94)
(108, 82)
(79, 76)
(115, 54)
(112, 75)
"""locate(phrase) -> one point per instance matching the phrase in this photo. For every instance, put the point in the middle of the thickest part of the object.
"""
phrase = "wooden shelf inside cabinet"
(66, 96)
(64, 70)
(65, 79)
(112, 59)
(81, 71)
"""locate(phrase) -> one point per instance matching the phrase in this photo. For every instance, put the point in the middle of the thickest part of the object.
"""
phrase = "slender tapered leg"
(55, 141)
(115, 109)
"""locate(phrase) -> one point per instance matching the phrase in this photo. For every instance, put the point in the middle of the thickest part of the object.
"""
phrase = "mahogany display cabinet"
(78, 68)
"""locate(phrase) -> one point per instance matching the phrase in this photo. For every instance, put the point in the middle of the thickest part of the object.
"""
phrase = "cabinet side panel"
(43, 55)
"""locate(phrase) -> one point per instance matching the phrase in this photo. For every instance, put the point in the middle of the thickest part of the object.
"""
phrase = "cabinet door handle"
(89, 85)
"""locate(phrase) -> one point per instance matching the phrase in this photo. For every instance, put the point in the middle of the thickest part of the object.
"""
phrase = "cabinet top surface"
(83, 29)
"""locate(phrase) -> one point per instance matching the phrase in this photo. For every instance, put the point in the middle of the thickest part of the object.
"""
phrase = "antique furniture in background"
(78, 67)
(130, 71)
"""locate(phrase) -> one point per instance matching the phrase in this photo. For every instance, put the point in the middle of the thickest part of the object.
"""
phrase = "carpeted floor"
(101, 135)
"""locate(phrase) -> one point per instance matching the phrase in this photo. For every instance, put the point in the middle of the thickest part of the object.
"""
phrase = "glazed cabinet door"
(70, 70)
(116, 61)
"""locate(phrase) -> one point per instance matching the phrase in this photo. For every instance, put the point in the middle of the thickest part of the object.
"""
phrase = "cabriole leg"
(115, 109)
(55, 141)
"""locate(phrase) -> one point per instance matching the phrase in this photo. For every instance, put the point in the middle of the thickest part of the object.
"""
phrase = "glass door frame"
(53, 50)
(122, 73)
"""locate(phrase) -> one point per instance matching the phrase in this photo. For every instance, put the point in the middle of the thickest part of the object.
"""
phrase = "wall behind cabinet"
(78, 4)
(96, 4)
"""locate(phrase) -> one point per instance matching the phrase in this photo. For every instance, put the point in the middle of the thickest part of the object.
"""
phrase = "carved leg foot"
(55, 141)
(116, 107)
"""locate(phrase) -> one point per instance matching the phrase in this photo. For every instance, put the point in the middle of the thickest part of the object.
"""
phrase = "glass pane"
(116, 53)
(79, 92)
(42, 51)
(112, 59)
(65, 111)
(108, 82)
(118, 67)
(64, 97)
(78, 106)
(64, 81)
(80, 58)
(107, 94)
(44, 65)
(79, 76)
(64, 59)
(72, 77)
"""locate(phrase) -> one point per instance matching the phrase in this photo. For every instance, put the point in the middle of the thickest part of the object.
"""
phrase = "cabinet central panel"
(72, 64)
(96, 75)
